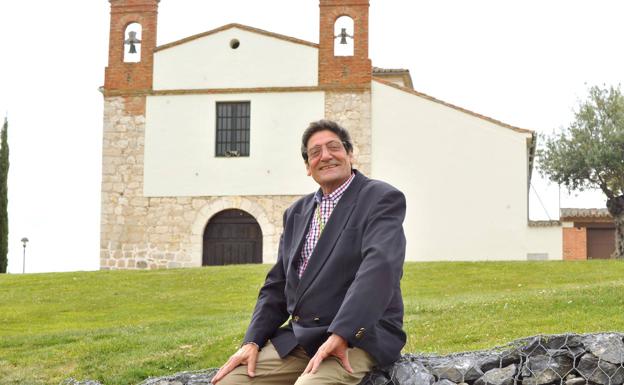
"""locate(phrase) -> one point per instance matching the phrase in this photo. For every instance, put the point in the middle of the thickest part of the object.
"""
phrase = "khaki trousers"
(273, 370)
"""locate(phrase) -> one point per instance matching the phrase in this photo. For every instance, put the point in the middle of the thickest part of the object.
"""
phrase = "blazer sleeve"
(379, 274)
(270, 311)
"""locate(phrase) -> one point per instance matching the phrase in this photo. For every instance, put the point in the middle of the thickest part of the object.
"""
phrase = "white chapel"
(201, 146)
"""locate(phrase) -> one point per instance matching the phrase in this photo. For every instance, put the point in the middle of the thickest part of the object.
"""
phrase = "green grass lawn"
(119, 327)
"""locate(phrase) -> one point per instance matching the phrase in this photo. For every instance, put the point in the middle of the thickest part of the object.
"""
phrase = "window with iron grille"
(232, 129)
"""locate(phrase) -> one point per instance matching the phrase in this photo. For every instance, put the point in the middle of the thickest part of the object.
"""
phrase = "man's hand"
(334, 346)
(246, 355)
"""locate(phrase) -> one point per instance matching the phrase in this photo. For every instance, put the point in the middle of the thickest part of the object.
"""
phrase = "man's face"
(332, 166)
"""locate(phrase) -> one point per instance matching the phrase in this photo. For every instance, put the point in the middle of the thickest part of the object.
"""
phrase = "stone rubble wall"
(352, 110)
(123, 209)
(567, 359)
(140, 232)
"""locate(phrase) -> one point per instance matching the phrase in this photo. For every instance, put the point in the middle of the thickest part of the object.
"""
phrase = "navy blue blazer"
(351, 284)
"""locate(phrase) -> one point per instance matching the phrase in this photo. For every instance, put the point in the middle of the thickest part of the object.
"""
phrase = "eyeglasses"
(334, 147)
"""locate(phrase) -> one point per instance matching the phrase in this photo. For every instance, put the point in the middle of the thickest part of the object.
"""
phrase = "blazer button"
(317, 319)
(295, 318)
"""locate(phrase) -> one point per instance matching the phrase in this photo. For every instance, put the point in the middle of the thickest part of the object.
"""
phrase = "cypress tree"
(4, 200)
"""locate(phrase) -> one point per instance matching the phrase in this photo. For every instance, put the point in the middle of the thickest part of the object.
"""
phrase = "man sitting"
(337, 276)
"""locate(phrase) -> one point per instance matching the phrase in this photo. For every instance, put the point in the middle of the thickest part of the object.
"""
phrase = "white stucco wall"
(180, 146)
(398, 80)
(465, 179)
(545, 241)
(259, 61)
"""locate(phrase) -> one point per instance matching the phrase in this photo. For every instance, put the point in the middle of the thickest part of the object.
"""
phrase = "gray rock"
(376, 377)
(200, 377)
(608, 347)
(562, 341)
(533, 347)
(465, 368)
(72, 381)
(600, 371)
(576, 381)
(570, 353)
(498, 376)
(408, 370)
(410, 373)
(544, 369)
(444, 382)
(576, 351)
(501, 360)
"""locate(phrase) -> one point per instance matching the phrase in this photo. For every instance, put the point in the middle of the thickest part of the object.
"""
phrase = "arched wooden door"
(232, 237)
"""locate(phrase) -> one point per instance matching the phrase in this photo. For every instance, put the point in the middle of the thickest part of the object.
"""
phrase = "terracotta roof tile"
(574, 213)
(394, 72)
(544, 223)
(379, 70)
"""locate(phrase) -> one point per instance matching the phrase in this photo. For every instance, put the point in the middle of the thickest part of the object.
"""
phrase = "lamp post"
(24, 242)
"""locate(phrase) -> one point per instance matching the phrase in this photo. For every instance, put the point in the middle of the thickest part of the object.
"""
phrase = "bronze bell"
(132, 40)
(343, 36)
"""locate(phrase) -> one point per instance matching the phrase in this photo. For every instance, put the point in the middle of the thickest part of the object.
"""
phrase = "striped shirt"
(325, 205)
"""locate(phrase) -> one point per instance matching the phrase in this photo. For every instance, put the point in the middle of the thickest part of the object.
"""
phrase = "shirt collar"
(335, 195)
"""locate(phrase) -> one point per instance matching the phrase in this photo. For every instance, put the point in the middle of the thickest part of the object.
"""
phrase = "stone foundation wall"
(124, 210)
(140, 232)
(171, 232)
(352, 110)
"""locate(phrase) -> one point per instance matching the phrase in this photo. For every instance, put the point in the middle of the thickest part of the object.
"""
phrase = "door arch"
(232, 237)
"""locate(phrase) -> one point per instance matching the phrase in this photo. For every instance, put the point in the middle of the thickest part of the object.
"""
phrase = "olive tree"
(589, 153)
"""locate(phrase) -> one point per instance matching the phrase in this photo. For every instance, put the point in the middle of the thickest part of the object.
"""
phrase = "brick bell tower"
(346, 75)
(350, 69)
(124, 238)
(122, 74)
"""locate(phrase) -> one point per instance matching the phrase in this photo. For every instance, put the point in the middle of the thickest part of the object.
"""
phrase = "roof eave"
(461, 109)
(240, 26)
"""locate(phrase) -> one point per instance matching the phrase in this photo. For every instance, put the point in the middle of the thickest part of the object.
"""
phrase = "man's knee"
(309, 379)
(331, 371)
(322, 378)
(234, 378)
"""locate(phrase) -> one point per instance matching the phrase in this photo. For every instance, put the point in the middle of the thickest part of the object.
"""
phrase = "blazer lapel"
(330, 235)
(302, 220)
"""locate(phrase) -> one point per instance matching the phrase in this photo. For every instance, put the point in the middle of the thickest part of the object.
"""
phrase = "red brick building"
(587, 234)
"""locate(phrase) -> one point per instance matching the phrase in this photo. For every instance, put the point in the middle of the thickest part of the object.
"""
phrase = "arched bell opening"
(344, 32)
(132, 43)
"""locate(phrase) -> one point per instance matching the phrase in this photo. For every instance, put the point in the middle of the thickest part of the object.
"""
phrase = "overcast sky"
(525, 62)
